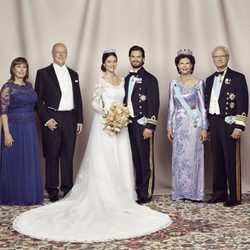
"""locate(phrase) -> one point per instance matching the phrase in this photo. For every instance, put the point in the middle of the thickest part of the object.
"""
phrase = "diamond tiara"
(108, 51)
(184, 52)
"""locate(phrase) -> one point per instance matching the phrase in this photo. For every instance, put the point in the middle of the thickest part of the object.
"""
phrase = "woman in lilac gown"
(20, 172)
(186, 129)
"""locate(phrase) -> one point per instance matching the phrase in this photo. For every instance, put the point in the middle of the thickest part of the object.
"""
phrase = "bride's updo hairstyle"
(106, 54)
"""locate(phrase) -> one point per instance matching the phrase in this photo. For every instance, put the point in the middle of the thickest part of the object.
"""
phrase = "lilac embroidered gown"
(188, 151)
(20, 167)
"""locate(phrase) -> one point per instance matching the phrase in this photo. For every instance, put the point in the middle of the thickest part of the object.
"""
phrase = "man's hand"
(79, 128)
(236, 134)
(147, 133)
(51, 124)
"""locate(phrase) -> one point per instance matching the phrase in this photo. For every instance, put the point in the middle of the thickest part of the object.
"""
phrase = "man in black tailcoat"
(142, 99)
(60, 110)
(227, 105)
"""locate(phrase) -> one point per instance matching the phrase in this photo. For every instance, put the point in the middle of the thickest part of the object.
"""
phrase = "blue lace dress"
(20, 167)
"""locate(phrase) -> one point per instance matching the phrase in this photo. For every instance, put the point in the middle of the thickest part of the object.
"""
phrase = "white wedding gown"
(101, 206)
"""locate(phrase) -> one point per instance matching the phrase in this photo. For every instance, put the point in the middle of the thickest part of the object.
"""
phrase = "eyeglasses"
(219, 57)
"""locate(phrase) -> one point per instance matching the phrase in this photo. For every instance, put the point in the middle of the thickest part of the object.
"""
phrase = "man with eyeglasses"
(227, 105)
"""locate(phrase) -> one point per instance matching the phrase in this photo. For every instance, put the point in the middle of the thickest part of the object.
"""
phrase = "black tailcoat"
(60, 143)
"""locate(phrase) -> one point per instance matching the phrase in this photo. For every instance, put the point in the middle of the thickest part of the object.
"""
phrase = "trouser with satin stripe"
(143, 159)
(58, 146)
(226, 160)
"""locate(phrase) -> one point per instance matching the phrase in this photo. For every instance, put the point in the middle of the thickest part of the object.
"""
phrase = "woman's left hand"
(203, 135)
(8, 140)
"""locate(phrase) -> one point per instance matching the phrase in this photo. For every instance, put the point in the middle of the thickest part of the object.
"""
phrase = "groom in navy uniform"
(142, 99)
(227, 104)
(60, 110)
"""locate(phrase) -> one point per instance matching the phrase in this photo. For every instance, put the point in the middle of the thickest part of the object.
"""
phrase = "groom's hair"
(136, 47)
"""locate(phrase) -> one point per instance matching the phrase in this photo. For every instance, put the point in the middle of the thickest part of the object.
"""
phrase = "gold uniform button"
(227, 93)
(139, 100)
(139, 88)
(226, 113)
(140, 107)
(227, 103)
(226, 107)
(140, 113)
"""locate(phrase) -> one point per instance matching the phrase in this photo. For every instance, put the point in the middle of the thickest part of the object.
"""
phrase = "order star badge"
(232, 96)
(143, 98)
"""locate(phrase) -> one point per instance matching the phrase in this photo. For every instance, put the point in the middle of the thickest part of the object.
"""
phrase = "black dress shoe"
(197, 201)
(183, 199)
(213, 201)
(53, 197)
(231, 203)
(64, 194)
(142, 201)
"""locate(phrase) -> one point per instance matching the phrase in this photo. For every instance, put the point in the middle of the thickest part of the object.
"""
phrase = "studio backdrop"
(29, 28)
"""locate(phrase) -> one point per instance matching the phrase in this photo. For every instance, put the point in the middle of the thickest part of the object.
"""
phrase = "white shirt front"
(214, 107)
(131, 85)
(64, 79)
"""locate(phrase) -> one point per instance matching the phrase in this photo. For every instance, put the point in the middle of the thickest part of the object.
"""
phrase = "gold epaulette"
(152, 120)
(241, 119)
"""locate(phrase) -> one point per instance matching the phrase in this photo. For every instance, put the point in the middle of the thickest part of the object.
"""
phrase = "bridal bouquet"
(116, 118)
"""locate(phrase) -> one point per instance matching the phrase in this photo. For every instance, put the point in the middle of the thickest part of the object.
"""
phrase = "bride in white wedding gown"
(101, 206)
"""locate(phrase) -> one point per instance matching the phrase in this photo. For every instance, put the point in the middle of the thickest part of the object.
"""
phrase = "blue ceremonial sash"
(194, 114)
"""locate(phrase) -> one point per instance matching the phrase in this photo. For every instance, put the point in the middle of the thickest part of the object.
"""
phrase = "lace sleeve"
(4, 99)
(97, 101)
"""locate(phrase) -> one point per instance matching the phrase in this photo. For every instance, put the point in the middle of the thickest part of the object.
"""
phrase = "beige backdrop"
(30, 27)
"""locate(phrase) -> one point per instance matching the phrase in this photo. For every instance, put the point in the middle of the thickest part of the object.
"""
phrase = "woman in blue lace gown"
(187, 125)
(20, 171)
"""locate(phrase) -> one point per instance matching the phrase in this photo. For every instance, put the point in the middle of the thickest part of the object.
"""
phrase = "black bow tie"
(219, 73)
(133, 73)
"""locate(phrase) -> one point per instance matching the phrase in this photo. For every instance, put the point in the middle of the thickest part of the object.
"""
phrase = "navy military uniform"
(233, 109)
(144, 101)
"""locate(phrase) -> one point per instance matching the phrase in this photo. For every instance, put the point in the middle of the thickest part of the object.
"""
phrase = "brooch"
(143, 98)
(227, 81)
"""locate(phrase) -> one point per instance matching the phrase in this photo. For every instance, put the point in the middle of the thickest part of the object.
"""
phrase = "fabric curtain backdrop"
(29, 28)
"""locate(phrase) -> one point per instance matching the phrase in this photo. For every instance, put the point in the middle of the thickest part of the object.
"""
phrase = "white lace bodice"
(105, 94)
